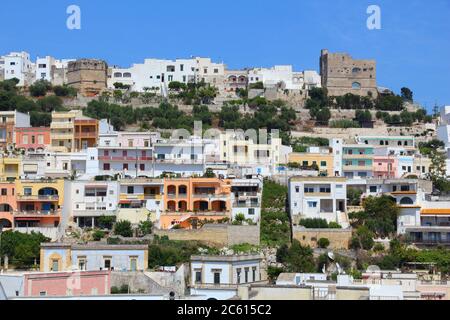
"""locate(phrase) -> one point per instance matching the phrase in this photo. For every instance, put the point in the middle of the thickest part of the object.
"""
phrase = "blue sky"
(412, 48)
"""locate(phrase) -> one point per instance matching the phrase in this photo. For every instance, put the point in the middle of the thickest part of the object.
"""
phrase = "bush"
(98, 235)
(344, 124)
(323, 243)
(40, 88)
(123, 228)
(379, 247)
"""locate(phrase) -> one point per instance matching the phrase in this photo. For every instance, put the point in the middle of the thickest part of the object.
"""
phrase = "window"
(323, 163)
(55, 265)
(106, 167)
(82, 264)
(373, 189)
(142, 167)
(246, 274)
(4, 192)
(198, 277)
(254, 274)
(181, 67)
(216, 70)
(43, 293)
(251, 212)
(325, 190)
(130, 190)
(216, 277)
(356, 85)
(125, 166)
(238, 275)
(309, 190)
(133, 264)
(27, 191)
(107, 263)
(312, 204)
(297, 189)
(305, 163)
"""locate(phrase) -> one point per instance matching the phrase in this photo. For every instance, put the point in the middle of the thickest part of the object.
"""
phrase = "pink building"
(385, 167)
(61, 284)
(32, 139)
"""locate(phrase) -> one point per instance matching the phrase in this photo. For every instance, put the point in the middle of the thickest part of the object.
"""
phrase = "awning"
(436, 212)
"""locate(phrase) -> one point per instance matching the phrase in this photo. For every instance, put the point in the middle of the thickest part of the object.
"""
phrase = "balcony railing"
(37, 198)
(110, 158)
(210, 196)
(37, 213)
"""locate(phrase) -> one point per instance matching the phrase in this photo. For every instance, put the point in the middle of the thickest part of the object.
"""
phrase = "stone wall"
(216, 235)
(340, 71)
(339, 238)
(138, 282)
(89, 76)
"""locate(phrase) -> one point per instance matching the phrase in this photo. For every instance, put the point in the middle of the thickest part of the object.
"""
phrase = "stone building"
(341, 74)
(89, 76)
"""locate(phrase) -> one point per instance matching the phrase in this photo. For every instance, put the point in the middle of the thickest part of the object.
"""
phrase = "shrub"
(323, 243)
(123, 228)
(98, 235)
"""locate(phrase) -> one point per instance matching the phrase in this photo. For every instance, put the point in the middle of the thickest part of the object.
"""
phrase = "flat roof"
(319, 179)
(93, 246)
(234, 258)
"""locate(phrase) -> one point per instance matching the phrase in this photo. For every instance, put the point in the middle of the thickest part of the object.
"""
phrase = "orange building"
(192, 200)
(8, 204)
(86, 133)
(33, 139)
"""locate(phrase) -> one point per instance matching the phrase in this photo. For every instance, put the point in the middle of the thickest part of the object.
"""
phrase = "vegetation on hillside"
(23, 250)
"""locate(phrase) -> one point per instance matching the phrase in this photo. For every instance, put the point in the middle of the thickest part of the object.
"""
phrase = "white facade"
(246, 198)
(285, 76)
(318, 198)
(18, 65)
(443, 131)
(225, 270)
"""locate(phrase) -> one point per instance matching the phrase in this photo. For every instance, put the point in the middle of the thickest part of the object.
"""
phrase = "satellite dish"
(324, 269)
(331, 256)
(339, 268)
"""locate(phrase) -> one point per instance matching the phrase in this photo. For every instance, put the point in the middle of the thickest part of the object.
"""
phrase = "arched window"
(406, 201)
(117, 75)
(127, 75)
(356, 70)
(356, 85)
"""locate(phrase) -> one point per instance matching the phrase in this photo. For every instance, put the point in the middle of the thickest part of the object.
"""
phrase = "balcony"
(124, 159)
(62, 136)
(52, 198)
(357, 156)
(86, 135)
(212, 196)
(37, 213)
(61, 125)
(357, 168)
(179, 161)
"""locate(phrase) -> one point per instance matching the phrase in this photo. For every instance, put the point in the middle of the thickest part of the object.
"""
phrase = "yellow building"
(71, 131)
(9, 168)
(39, 203)
(236, 148)
(324, 161)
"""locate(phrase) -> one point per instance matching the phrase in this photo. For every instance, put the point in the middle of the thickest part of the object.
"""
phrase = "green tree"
(145, 227)
(363, 239)
(299, 259)
(407, 94)
(40, 88)
(123, 228)
(323, 243)
(379, 215)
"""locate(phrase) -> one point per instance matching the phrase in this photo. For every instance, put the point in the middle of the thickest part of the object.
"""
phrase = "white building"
(159, 73)
(53, 70)
(219, 276)
(246, 198)
(284, 75)
(318, 198)
(86, 201)
(18, 65)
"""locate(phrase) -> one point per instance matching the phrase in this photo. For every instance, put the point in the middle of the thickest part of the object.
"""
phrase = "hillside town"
(185, 180)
